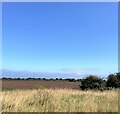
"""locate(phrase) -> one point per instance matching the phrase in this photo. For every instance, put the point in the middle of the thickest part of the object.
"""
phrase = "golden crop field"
(59, 100)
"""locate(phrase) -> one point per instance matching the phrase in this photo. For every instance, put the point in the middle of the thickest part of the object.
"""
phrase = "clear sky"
(76, 38)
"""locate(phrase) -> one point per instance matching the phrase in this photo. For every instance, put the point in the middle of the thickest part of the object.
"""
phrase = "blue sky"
(75, 38)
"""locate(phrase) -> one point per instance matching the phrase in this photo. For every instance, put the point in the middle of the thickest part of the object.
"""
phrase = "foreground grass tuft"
(59, 100)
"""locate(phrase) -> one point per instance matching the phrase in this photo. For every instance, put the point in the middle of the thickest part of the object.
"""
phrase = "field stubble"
(59, 100)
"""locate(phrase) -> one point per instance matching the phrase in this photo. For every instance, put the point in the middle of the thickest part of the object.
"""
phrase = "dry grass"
(59, 100)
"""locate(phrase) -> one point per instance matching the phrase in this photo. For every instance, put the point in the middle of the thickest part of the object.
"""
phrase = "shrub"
(113, 80)
(93, 82)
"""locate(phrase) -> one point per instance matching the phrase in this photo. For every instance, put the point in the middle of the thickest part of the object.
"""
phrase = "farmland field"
(32, 84)
(55, 96)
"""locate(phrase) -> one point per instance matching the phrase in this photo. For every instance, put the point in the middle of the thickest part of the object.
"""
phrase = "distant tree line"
(46, 79)
(90, 82)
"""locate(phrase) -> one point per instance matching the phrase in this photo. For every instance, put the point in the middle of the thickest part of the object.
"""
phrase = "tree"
(93, 82)
(113, 80)
(60, 79)
(70, 79)
(78, 80)
(56, 79)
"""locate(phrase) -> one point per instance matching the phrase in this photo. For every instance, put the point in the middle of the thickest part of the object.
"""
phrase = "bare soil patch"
(31, 84)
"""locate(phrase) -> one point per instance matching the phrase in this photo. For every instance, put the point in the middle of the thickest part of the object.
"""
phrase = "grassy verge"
(59, 100)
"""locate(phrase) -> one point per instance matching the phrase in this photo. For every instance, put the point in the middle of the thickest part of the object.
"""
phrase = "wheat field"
(59, 100)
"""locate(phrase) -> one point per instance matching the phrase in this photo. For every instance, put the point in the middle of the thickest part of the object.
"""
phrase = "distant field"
(32, 84)
(59, 100)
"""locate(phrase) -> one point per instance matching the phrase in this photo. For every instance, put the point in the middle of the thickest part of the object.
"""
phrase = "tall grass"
(59, 100)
